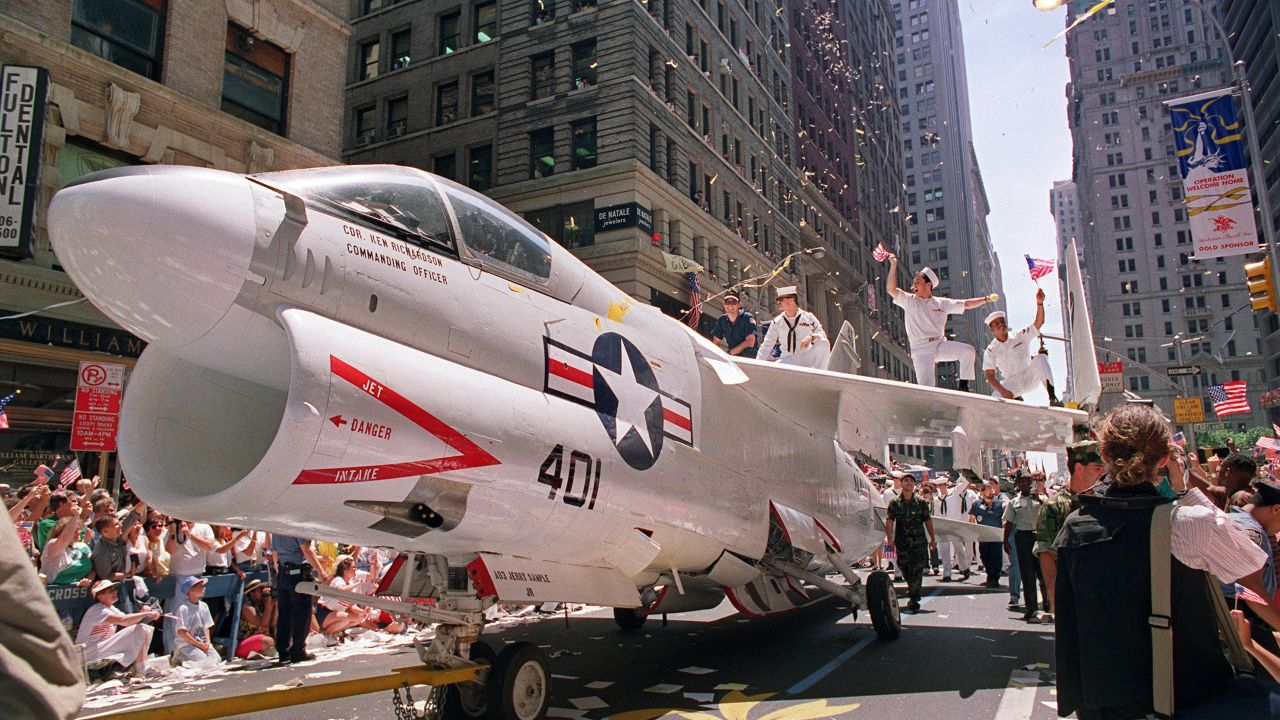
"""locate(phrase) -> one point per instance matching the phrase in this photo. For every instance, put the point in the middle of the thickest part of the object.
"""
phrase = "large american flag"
(695, 300)
(1229, 398)
(1039, 268)
(879, 254)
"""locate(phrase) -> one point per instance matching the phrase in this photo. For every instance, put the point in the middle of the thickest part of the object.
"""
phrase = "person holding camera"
(296, 562)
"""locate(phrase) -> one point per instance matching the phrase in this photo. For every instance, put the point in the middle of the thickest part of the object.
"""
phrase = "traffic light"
(1261, 293)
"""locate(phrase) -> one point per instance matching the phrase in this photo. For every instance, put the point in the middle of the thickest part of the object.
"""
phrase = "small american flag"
(879, 254)
(695, 300)
(1229, 398)
(1180, 439)
(1268, 443)
(1244, 593)
(1275, 429)
(70, 474)
(871, 297)
(1039, 268)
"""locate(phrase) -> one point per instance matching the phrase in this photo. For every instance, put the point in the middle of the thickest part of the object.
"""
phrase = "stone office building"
(240, 85)
(622, 129)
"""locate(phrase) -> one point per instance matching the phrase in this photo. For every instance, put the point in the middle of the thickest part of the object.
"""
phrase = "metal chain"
(431, 710)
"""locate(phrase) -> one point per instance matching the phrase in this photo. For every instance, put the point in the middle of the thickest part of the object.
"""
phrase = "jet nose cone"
(161, 250)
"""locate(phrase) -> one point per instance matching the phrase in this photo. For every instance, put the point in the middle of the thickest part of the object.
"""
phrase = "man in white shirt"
(1009, 354)
(797, 332)
(109, 633)
(926, 318)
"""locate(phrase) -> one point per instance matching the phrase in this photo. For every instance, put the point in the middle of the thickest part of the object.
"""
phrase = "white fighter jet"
(379, 356)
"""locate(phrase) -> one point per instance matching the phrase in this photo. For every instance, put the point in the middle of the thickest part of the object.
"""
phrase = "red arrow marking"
(337, 421)
(470, 455)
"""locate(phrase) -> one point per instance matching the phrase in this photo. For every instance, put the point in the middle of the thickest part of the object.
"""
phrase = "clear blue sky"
(1018, 105)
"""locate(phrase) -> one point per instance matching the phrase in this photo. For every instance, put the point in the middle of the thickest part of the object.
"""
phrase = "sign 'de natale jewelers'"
(1209, 142)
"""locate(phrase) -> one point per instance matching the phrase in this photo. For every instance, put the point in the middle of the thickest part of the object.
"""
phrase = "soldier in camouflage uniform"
(1084, 463)
(907, 519)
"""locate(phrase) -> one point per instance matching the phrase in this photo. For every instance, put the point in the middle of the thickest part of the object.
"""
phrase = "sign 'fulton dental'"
(1209, 142)
(22, 101)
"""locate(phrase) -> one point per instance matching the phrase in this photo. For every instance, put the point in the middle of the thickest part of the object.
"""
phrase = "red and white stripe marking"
(569, 373)
(677, 420)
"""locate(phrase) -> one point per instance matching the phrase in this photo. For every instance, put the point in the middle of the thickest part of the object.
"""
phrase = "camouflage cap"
(1085, 451)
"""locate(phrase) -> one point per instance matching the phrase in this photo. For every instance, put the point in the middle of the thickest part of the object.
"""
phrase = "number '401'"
(582, 472)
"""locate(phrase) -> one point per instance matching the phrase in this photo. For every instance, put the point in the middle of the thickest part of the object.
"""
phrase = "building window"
(584, 64)
(542, 153)
(481, 167)
(542, 11)
(126, 32)
(572, 226)
(449, 30)
(486, 21)
(543, 76)
(254, 86)
(397, 116)
(445, 165)
(369, 53)
(584, 144)
(366, 118)
(482, 93)
(446, 103)
(401, 55)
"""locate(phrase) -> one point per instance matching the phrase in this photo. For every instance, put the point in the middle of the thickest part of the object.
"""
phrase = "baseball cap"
(191, 582)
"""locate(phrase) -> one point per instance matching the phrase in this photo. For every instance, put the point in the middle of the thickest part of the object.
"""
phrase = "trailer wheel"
(470, 700)
(882, 604)
(519, 684)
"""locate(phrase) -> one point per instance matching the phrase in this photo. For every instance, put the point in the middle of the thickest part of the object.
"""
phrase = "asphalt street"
(965, 655)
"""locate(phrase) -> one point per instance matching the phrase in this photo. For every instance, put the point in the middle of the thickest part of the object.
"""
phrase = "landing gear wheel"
(629, 619)
(882, 604)
(470, 700)
(519, 684)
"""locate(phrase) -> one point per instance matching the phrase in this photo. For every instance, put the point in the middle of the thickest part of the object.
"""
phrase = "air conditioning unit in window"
(395, 130)
(366, 138)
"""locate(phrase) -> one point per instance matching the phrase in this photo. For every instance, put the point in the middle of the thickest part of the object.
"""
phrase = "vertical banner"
(22, 102)
(1209, 143)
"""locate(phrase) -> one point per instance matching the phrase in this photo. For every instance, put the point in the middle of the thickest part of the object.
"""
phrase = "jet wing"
(949, 530)
(865, 413)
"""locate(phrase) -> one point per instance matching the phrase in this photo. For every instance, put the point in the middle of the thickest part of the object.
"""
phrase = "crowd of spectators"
(147, 573)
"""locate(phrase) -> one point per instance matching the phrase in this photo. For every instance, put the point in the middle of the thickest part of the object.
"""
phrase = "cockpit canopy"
(425, 210)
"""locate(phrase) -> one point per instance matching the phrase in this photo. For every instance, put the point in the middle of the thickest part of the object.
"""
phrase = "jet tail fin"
(844, 351)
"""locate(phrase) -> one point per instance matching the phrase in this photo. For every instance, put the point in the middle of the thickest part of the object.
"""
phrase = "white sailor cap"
(997, 315)
(929, 275)
(787, 290)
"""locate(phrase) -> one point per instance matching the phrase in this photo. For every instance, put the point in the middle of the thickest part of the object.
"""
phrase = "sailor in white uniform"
(1010, 356)
(797, 332)
(926, 319)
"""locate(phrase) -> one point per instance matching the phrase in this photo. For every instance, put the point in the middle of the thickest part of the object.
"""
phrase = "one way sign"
(1183, 370)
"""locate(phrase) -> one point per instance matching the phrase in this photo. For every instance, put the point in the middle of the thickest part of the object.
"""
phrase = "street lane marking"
(1019, 699)
(817, 675)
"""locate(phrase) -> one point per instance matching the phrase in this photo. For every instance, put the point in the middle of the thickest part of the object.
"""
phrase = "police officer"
(1086, 469)
(797, 332)
(1020, 525)
(906, 521)
(1104, 624)
(735, 330)
(296, 562)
